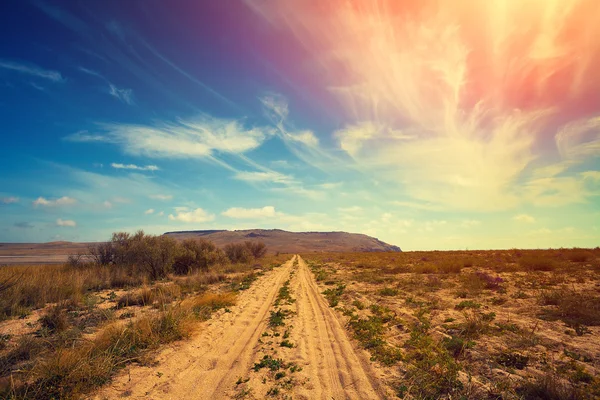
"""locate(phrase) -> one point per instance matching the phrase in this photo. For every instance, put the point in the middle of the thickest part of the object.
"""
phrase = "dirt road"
(213, 363)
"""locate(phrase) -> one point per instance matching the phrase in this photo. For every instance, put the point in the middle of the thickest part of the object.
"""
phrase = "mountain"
(278, 240)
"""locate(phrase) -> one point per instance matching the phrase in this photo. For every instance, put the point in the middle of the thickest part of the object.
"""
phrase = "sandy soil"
(226, 348)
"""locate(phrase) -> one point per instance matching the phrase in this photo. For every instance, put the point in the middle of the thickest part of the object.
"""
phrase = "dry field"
(66, 330)
(420, 325)
(492, 324)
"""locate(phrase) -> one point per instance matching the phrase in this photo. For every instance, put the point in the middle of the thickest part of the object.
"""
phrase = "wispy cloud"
(62, 201)
(260, 176)
(448, 127)
(149, 211)
(135, 167)
(200, 137)
(32, 70)
(66, 223)
(524, 218)
(184, 214)
(62, 16)
(163, 197)
(125, 95)
(9, 200)
(251, 213)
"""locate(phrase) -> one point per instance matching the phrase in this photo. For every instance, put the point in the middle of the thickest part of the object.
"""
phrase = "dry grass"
(80, 326)
(35, 286)
(510, 324)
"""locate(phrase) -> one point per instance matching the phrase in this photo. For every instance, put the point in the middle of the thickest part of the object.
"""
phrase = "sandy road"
(208, 365)
(335, 369)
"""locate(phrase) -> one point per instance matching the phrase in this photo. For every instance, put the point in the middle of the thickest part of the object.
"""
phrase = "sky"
(429, 125)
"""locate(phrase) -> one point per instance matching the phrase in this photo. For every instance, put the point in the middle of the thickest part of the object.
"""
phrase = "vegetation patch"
(333, 295)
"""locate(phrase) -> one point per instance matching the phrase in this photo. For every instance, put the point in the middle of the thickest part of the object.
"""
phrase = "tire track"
(207, 366)
(335, 369)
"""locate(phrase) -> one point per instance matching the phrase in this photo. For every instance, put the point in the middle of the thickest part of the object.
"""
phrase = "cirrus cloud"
(200, 137)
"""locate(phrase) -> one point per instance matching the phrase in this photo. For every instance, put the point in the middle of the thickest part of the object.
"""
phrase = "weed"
(333, 295)
(55, 320)
(286, 343)
(273, 364)
(431, 371)
(358, 304)
(276, 318)
(388, 292)
(549, 386)
(279, 375)
(512, 360)
(467, 304)
(457, 345)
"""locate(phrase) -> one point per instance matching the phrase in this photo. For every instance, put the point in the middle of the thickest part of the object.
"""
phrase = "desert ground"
(513, 324)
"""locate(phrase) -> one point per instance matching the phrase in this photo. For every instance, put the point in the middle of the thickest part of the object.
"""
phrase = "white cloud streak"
(201, 137)
(162, 197)
(251, 213)
(32, 70)
(125, 95)
(135, 167)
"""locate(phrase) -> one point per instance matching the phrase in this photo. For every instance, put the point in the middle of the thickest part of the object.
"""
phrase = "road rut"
(208, 365)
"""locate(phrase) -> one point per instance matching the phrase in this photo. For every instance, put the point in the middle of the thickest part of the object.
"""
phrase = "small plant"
(467, 304)
(273, 364)
(333, 295)
(279, 375)
(358, 304)
(512, 360)
(286, 343)
(388, 292)
(457, 345)
(55, 320)
(276, 318)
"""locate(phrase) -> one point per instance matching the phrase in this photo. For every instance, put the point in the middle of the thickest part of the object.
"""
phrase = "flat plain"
(512, 324)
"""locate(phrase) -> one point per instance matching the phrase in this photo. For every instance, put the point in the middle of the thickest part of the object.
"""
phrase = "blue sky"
(301, 116)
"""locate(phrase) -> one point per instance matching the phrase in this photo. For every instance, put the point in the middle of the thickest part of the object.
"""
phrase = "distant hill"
(275, 239)
(278, 240)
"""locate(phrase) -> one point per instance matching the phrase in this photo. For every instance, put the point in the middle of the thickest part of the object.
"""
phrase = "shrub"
(450, 266)
(549, 387)
(534, 262)
(197, 255)
(238, 253)
(258, 249)
(55, 320)
(512, 360)
(142, 297)
(579, 255)
(154, 254)
(574, 308)
(102, 253)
